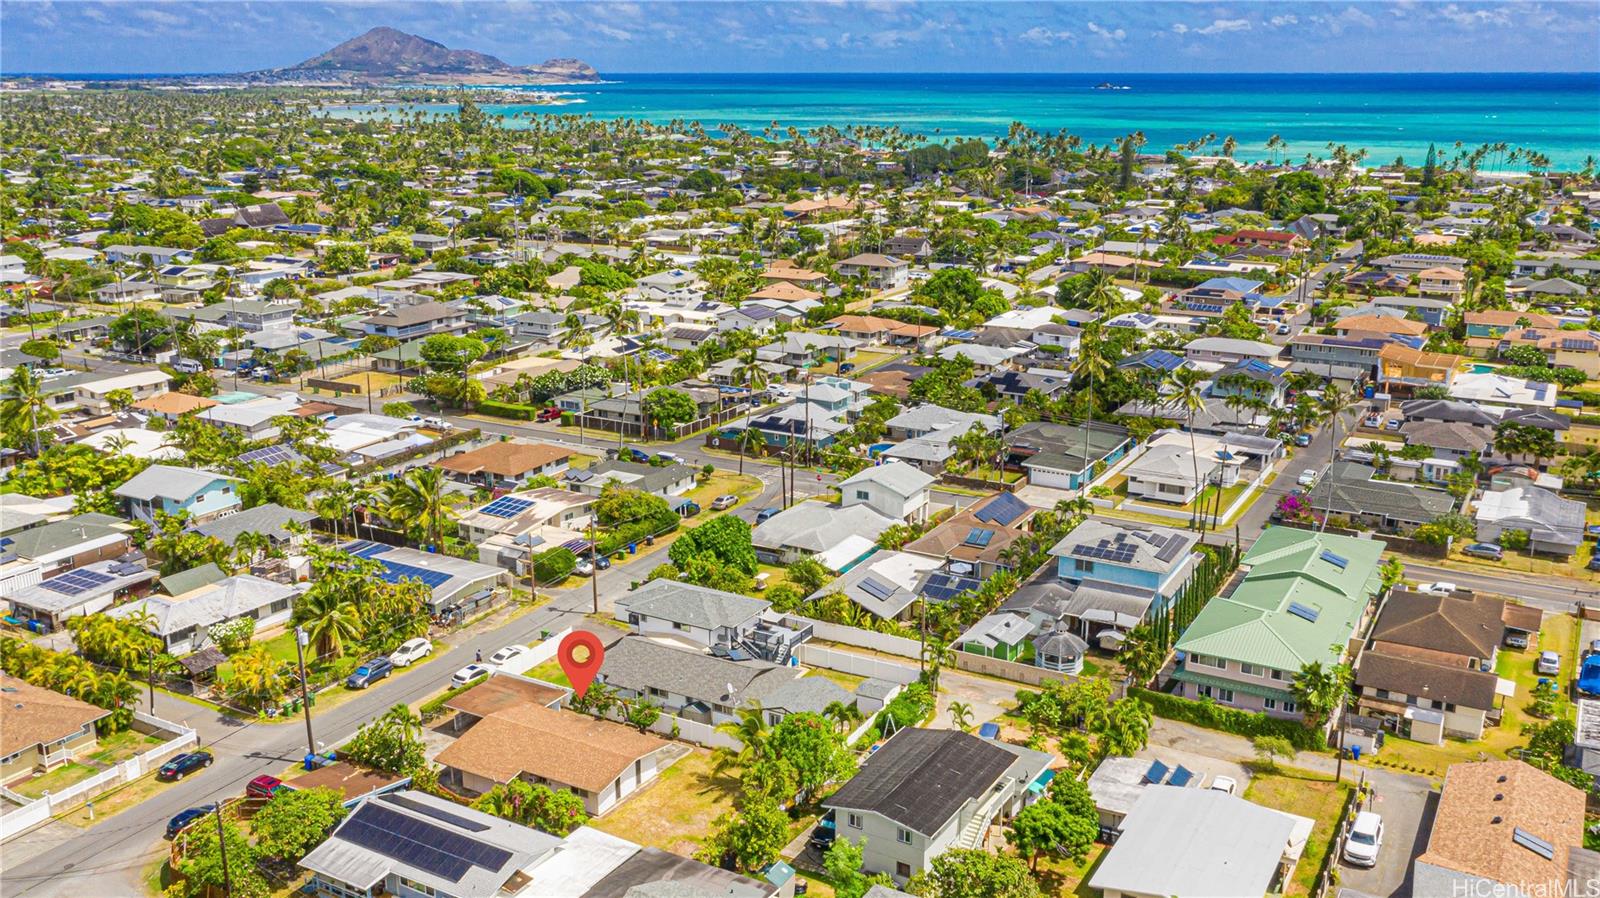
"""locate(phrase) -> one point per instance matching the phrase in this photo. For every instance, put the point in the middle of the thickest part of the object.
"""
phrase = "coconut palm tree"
(26, 400)
(750, 373)
(960, 715)
(1188, 393)
(749, 727)
(419, 500)
(331, 619)
(1336, 404)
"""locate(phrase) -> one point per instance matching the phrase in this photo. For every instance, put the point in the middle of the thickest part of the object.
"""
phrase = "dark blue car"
(184, 818)
(183, 765)
(369, 673)
(1589, 676)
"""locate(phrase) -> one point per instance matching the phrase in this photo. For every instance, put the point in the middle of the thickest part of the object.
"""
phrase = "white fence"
(537, 654)
(36, 811)
(813, 655)
(866, 639)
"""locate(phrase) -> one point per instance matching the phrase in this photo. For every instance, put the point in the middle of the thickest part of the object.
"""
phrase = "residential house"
(183, 622)
(507, 464)
(1381, 326)
(1227, 350)
(1251, 237)
(1505, 828)
(894, 489)
(705, 617)
(665, 481)
(1448, 283)
(1348, 489)
(453, 583)
(879, 271)
(41, 549)
(1303, 597)
(414, 322)
(516, 514)
(270, 520)
(1428, 669)
(884, 585)
(924, 792)
(1554, 524)
(1403, 370)
(839, 536)
(83, 591)
(978, 537)
(1110, 575)
(601, 762)
(1002, 635)
(1493, 324)
(1065, 456)
(1176, 467)
(202, 495)
(44, 729)
(94, 391)
(1411, 263)
(689, 683)
(1495, 390)
(873, 330)
(1181, 842)
(918, 248)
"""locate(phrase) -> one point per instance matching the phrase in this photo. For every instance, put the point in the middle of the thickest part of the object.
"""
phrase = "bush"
(1514, 540)
(554, 565)
(507, 410)
(1231, 720)
(908, 709)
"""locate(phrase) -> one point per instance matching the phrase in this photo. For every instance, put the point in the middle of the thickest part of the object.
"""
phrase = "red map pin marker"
(580, 655)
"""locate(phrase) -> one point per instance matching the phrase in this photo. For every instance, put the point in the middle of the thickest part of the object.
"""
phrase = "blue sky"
(818, 36)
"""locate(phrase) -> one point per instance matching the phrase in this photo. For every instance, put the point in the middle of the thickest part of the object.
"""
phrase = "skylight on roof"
(1533, 843)
(1338, 561)
(1304, 612)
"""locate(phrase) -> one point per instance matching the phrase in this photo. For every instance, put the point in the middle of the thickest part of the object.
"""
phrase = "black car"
(369, 673)
(183, 765)
(184, 818)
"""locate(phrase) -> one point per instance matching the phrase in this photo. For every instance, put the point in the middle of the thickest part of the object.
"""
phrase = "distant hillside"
(388, 54)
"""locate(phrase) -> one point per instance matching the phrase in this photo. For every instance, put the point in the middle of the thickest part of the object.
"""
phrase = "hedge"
(1231, 720)
(508, 410)
(432, 707)
(554, 565)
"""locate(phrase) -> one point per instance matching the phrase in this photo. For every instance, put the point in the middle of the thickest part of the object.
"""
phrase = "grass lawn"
(550, 672)
(674, 813)
(116, 801)
(376, 380)
(1308, 795)
(56, 780)
(847, 680)
(122, 746)
(745, 486)
(1523, 562)
(1059, 876)
(1560, 634)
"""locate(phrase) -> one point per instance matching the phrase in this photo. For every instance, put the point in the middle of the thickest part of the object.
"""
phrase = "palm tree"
(1090, 363)
(842, 713)
(753, 376)
(1336, 403)
(1188, 392)
(248, 545)
(960, 715)
(419, 500)
(26, 399)
(749, 727)
(329, 618)
(1320, 691)
(258, 675)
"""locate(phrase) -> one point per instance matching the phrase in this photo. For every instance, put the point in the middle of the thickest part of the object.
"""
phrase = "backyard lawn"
(56, 780)
(122, 746)
(847, 681)
(675, 812)
(1059, 876)
(745, 486)
(1560, 634)
(1308, 795)
(550, 672)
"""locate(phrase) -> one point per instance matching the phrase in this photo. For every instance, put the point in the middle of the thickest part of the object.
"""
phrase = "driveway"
(1407, 806)
(988, 698)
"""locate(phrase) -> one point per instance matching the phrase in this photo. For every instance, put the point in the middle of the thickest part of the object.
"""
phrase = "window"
(1216, 693)
(1383, 693)
(862, 495)
(854, 820)
(656, 693)
(1278, 674)
(903, 835)
(1289, 706)
(1247, 669)
(1170, 488)
(1206, 661)
(1271, 704)
(678, 626)
(1082, 566)
(902, 869)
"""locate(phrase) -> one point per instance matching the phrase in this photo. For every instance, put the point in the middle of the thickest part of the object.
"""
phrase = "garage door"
(1046, 477)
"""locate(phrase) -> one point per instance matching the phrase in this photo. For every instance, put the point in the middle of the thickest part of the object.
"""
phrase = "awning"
(1115, 618)
(1042, 783)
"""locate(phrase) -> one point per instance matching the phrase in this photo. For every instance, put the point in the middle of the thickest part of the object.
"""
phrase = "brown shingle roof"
(560, 746)
(1471, 627)
(1466, 837)
(35, 715)
(500, 693)
(174, 404)
(1424, 679)
(509, 459)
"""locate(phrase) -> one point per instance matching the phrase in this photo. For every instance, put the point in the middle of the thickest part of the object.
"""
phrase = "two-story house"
(925, 792)
(1432, 653)
(879, 271)
(1303, 598)
(1440, 281)
(204, 495)
(893, 489)
(414, 322)
(1119, 573)
(1403, 370)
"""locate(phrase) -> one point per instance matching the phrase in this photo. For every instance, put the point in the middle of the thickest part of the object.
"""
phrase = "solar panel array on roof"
(978, 537)
(1180, 776)
(576, 546)
(1106, 550)
(419, 844)
(1163, 360)
(75, 582)
(272, 456)
(942, 586)
(1157, 772)
(394, 572)
(437, 814)
(362, 548)
(507, 507)
(1338, 561)
(1304, 612)
(876, 588)
(1002, 509)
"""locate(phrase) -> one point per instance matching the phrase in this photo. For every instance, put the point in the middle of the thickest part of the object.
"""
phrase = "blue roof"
(1237, 285)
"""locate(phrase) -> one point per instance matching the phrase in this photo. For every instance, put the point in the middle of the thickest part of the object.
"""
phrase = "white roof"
(216, 602)
(142, 443)
(1195, 843)
(896, 476)
(129, 381)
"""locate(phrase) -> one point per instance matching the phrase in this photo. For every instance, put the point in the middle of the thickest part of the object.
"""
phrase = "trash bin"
(310, 762)
(633, 548)
(1355, 752)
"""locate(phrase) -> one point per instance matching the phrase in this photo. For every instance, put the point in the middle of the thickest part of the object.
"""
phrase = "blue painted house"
(1121, 573)
(203, 495)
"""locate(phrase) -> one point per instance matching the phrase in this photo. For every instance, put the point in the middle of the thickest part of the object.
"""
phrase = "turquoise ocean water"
(1388, 114)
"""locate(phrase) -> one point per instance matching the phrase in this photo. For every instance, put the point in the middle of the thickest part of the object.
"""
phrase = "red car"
(264, 786)
(548, 414)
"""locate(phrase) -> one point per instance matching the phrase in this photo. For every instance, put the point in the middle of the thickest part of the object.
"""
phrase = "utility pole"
(222, 846)
(594, 565)
(150, 662)
(305, 693)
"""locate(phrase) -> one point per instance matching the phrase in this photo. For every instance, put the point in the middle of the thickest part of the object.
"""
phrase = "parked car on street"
(264, 786)
(437, 423)
(1549, 663)
(469, 673)
(1491, 551)
(1302, 440)
(1307, 478)
(1361, 846)
(548, 414)
(186, 817)
(411, 651)
(823, 835)
(184, 764)
(765, 514)
(1441, 588)
(724, 502)
(584, 568)
(509, 653)
(368, 673)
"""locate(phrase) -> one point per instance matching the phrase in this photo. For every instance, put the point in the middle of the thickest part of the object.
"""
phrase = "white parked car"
(411, 651)
(1365, 839)
(1441, 588)
(469, 673)
(436, 423)
(507, 654)
(1307, 477)
(1224, 784)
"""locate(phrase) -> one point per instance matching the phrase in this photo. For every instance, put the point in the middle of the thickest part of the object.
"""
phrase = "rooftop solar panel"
(435, 813)
(1157, 772)
(76, 582)
(1180, 776)
(978, 537)
(876, 588)
(507, 507)
(1338, 561)
(420, 844)
(1002, 510)
(1304, 612)
(1533, 843)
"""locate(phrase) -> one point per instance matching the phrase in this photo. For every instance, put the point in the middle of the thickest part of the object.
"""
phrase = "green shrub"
(908, 709)
(1231, 720)
(554, 565)
(432, 707)
(507, 410)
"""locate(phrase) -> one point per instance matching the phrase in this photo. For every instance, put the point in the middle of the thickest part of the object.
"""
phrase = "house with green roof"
(1304, 596)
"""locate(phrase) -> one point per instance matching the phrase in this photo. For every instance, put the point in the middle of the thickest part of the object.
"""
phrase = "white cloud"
(1282, 21)
(1107, 33)
(1224, 26)
(616, 34)
(1349, 17)
(1499, 15)
(1039, 34)
(1180, 28)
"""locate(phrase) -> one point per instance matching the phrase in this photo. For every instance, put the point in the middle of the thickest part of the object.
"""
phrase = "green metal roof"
(1288, 567)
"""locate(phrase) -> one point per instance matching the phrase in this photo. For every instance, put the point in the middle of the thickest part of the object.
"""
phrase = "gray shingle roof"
(638, 663)
(268, 520)
(695, 606)
(168, 481)
(920, 778)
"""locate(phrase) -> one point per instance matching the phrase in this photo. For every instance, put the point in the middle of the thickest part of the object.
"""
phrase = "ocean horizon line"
(1106, 73)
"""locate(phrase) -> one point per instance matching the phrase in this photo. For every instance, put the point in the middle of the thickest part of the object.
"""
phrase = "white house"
(893, 489)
